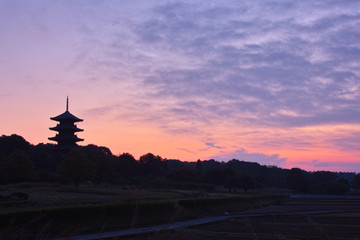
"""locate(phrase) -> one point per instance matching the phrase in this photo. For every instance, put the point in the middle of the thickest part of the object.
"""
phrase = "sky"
(273, 81)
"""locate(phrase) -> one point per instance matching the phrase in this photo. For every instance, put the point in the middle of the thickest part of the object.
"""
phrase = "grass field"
(47, 195)
(273, 225)
(63, 210)
(322, 226)
(54, 195)
(71, 211)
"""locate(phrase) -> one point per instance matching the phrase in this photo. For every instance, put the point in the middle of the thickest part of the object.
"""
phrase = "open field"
(319, 226)
(67, 211)
(55, 195)
(71, 211)
(52, 195)
(343, 223)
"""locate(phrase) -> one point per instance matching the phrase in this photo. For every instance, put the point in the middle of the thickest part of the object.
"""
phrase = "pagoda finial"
(67, 103)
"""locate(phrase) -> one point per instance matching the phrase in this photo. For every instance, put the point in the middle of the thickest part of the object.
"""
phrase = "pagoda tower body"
(66, 128)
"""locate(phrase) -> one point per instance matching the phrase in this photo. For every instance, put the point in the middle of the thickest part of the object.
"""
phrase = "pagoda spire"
(67, 103)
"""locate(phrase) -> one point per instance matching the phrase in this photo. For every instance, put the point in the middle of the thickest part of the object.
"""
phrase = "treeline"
(22, 162)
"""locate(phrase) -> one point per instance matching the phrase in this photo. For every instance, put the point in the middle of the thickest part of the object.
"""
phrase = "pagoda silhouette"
(66, 128)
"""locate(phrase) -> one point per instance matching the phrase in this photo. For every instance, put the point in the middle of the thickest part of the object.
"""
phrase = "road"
(183, 224)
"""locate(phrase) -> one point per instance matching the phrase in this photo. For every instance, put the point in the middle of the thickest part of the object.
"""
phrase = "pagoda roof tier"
(66, 116)
(66, 138)
(60, 127)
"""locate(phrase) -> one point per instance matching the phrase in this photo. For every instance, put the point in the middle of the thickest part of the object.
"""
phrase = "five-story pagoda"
(66, 129)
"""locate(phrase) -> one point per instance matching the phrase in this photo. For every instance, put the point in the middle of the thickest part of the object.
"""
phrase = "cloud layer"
(270, 64)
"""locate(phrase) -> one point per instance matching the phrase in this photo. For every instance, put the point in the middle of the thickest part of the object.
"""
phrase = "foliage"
(17, 167)
(194, 186)
(14, 142)
(76, 167)
(20, 161)
(184, 174)
(296, 180)
(126, 165)
(223, 201)
(356, 181)
(151, 165)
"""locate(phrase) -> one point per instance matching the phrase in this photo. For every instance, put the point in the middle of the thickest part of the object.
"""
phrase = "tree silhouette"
(184, 174)
(20, 161)
(17, 167)
(232, 182)
(246, 182)
(296, 180)
(199, 166)
(102, 160)
(356, 181)
(215, 176)
(10, 143)
(151, 165)
(76, 167)
(126, 165)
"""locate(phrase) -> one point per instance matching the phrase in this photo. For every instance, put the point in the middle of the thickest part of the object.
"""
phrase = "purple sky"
(275, 82)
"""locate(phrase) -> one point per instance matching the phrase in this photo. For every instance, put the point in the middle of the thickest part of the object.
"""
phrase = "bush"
(194, 186)
(214, 202)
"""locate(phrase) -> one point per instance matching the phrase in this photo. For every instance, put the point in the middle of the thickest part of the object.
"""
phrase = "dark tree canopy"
(20, 161)
(10, 143)
(356, 181)
(296, 180)
(76, 167)
(151, 165)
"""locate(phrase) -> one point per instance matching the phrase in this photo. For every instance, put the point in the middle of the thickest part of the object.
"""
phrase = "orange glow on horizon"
(138, 140)
(304, 147)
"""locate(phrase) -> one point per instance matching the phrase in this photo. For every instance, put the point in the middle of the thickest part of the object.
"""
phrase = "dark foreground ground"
(341, 222)
(56, 211)
(286, 220)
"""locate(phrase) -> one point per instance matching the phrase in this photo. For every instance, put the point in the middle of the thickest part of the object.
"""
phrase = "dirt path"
(291, 207)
